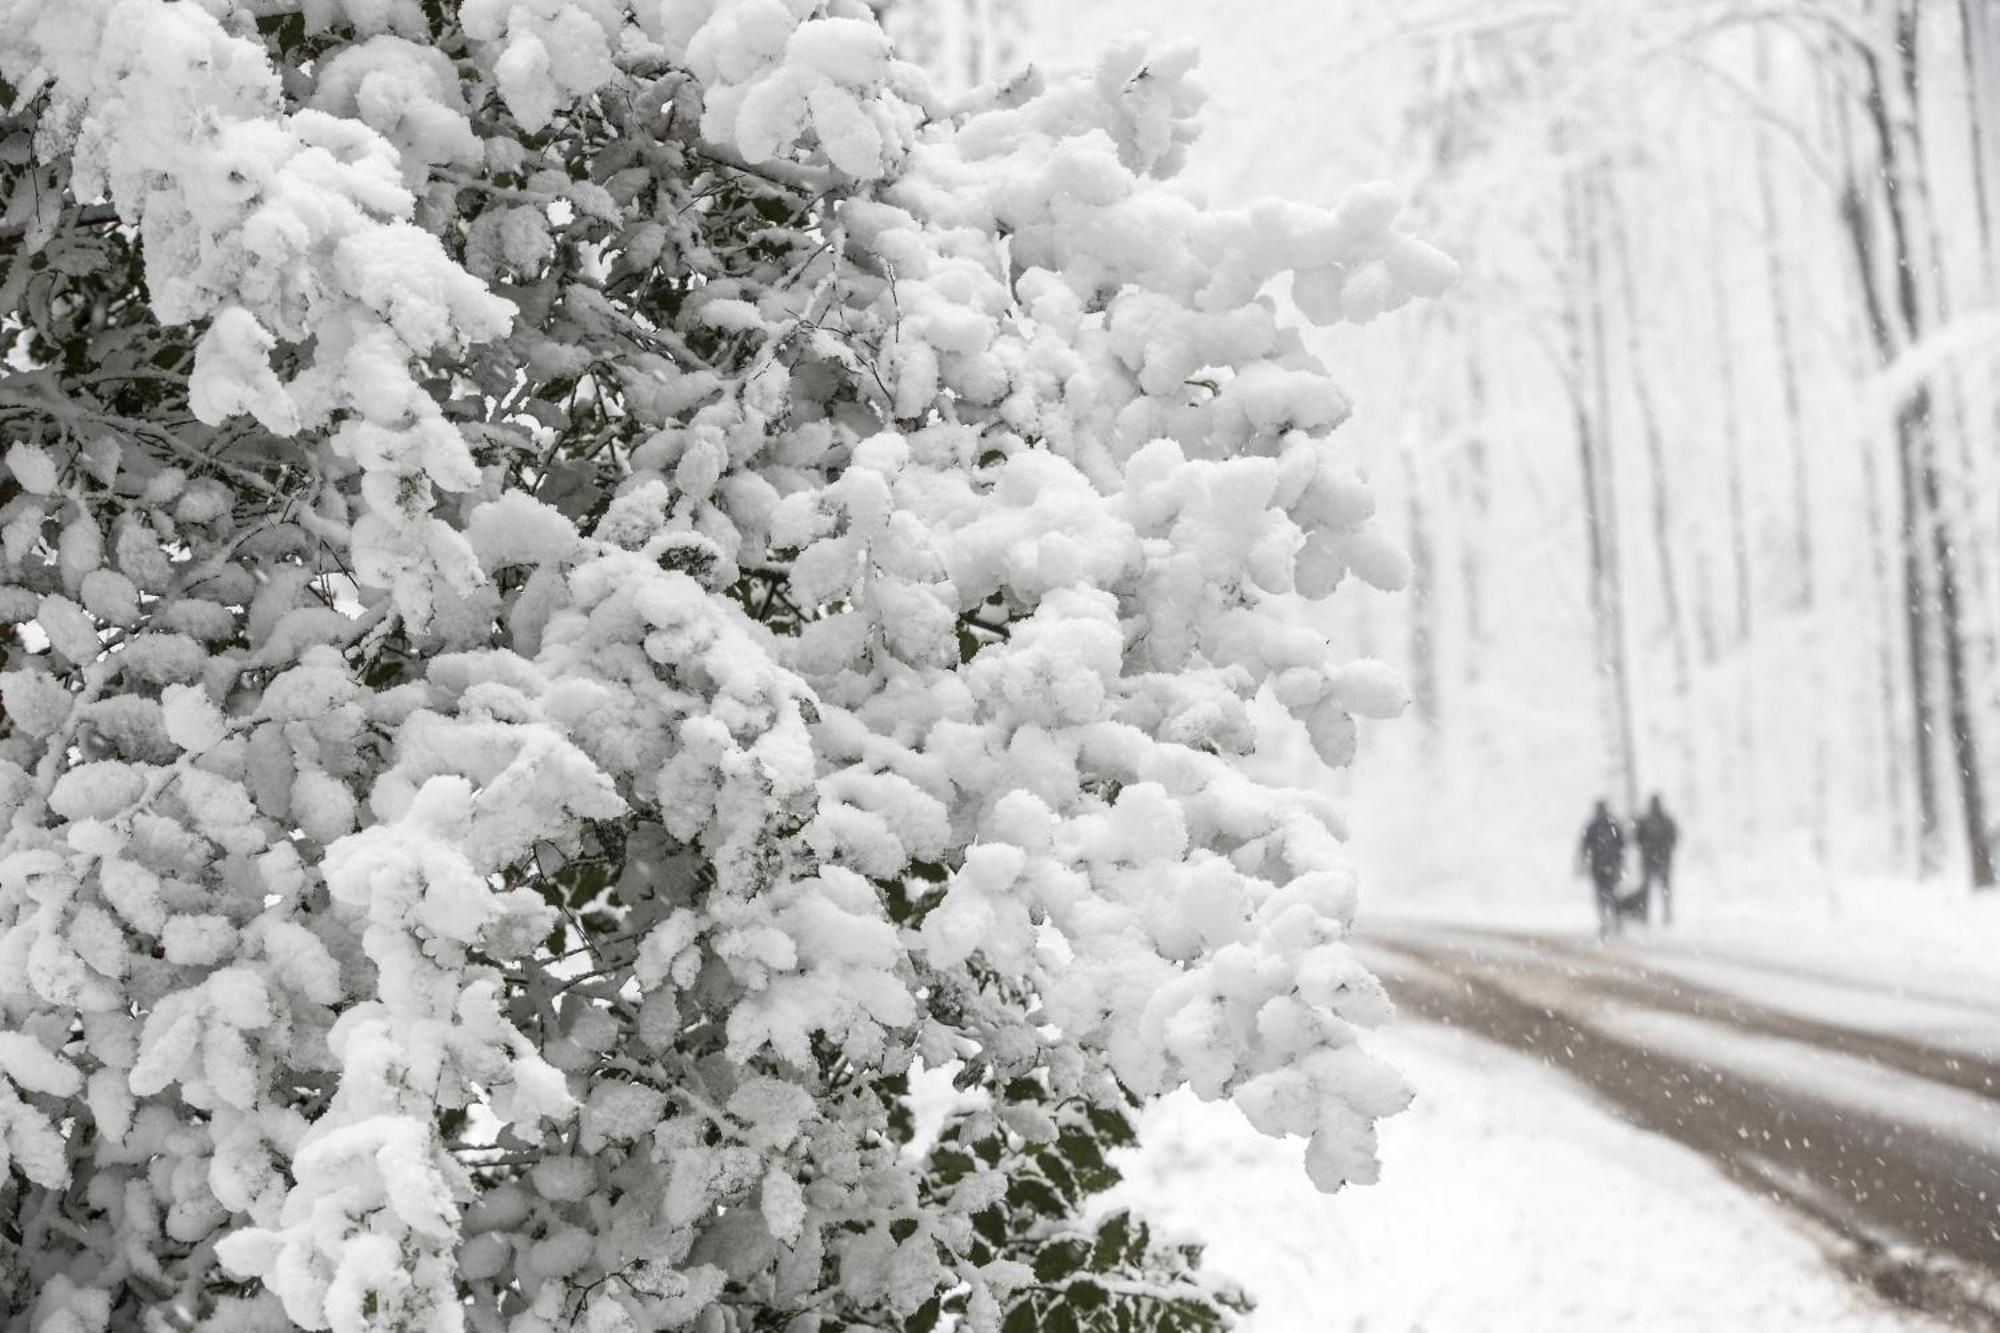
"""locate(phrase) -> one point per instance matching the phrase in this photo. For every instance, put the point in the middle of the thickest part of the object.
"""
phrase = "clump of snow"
(32, 467)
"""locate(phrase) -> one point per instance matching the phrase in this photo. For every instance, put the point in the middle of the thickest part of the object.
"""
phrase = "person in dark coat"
(1602, 856)
(1656, 833)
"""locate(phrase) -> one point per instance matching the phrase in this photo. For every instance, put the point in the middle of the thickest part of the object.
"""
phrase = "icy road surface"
(1869, 1114)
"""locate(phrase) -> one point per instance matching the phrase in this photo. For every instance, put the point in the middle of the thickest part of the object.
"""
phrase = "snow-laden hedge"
(603, 595)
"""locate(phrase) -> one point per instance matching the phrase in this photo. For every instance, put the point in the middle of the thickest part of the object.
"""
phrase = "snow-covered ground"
(1919, 939)
(1509, 1201)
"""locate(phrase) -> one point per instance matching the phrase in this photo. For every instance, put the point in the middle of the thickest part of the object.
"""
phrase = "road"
(1885, 1139)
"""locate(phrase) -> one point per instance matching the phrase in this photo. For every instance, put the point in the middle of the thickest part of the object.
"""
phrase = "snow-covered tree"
(634, 651)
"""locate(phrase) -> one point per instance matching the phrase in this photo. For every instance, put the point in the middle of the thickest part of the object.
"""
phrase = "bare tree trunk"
(1477, 499)
(1907, 186)
(1746, 802)
(1732, 437)
(1979, 34)
(1915, 595)
(1787, 352)
(1708, 634)
(1898, 151)
(1904, 760)
(1979, 31)
(1952, 409)
(1958, 703)
(1890, 704)
(1659, 510)
(1589, 395)
(1857, 220)
(1422, 599)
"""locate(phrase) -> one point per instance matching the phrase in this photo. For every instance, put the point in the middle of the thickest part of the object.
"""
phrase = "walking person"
(1602, 856)
(1656, 833)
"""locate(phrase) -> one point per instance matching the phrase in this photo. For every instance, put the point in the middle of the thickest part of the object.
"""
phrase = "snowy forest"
(779, 666)
(1697, 465)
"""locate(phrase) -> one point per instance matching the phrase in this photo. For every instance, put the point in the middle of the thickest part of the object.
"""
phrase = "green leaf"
(1059, 1176)
(1058, 1260)
(991, 1226)
(1080, 1148)
(951, 1167)
(1114, 1127)
(1142, 1241)
(1114, 1234)
(1035, 1195)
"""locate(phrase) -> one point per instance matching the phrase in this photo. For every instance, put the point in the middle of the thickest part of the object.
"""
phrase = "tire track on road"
(1913, 1213)
(1620, 977)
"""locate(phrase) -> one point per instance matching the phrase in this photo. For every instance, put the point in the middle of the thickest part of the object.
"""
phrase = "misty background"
(1697, 471)
(1697, 463)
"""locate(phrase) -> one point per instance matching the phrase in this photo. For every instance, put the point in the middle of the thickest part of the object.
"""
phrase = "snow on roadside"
(1957, 1023)
(1926, 938)
(1812, 987)
(1894, 1095)
(1509, 1201)
(1914, 958)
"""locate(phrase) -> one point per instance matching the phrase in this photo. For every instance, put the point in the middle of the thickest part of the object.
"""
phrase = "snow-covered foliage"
(602, 595)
